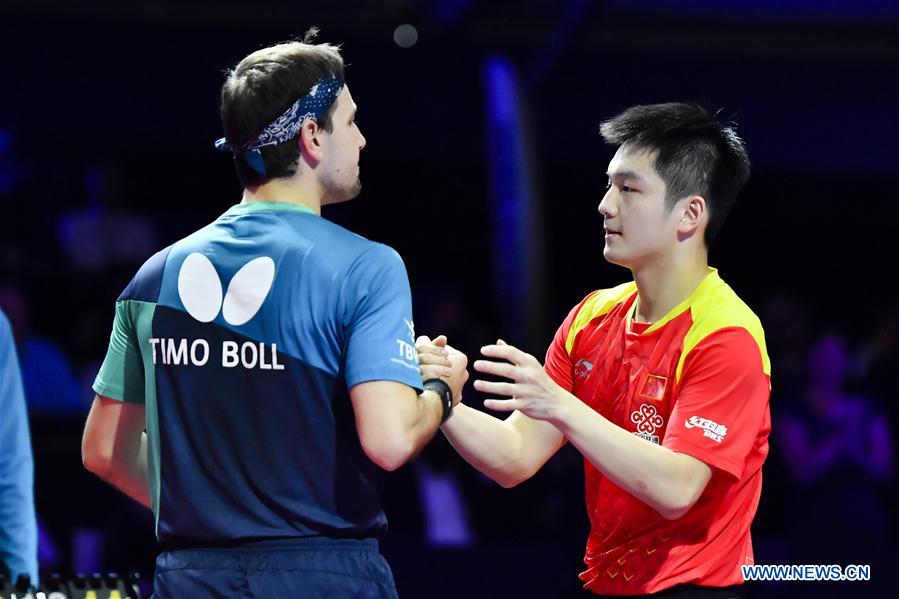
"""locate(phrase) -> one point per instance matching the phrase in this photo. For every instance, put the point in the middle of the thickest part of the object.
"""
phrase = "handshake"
(439, 360)
(531, 390)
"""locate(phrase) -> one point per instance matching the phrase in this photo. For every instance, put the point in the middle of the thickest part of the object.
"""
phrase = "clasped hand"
(531, 390)
(438, 360)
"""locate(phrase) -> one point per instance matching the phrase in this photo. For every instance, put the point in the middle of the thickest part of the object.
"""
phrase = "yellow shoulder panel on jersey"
(716, 306)
(597, 303)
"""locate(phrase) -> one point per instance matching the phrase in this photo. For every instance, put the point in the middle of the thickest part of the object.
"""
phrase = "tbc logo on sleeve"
(710, 429)
(408, 355)
(411, 326)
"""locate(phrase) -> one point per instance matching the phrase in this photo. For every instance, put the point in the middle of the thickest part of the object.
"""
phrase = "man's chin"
(346, 195)
(611, 258)
(357, 189)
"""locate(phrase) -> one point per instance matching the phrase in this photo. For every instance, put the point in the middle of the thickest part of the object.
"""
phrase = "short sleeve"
(378, 321)
(121, 376)
(558, 361)
(722, 402)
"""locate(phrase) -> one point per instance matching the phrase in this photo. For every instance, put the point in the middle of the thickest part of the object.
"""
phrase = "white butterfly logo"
(200, 289)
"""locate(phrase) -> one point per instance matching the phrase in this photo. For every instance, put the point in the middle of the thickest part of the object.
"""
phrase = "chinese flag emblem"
(654, 387)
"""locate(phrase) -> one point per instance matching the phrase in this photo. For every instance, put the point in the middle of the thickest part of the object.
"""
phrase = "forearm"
(129, 474)
(491, 445)
(649, 472)
(393, 422)
(424, 421)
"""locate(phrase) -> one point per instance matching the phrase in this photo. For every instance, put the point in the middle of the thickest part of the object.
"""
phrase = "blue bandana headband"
(313, 106)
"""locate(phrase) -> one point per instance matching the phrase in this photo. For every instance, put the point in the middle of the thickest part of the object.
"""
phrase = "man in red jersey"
(661, 383)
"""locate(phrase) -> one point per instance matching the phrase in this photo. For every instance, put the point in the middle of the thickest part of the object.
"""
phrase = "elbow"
(389, 453)
(673, 512)
(510, 477)
(678, 503)
(508, 483)
(392, 461)
(95, 459)
(96, 462)
(680, 493)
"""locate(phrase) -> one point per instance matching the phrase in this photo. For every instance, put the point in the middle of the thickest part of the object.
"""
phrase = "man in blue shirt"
(262, 372)
(18, 525)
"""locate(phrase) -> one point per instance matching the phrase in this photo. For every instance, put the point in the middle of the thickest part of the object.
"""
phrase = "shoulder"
(379, 253)
(719, 307)
(146, 284)
(601, 302)
(375, 261)
(323, 230)
(597, 304)
(719, 313)
(343, 246)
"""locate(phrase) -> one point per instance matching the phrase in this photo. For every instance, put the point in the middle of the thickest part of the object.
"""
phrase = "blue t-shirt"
(242, 341)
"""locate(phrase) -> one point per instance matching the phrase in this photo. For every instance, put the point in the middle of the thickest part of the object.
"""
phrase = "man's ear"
(310, 142)
(694, 213)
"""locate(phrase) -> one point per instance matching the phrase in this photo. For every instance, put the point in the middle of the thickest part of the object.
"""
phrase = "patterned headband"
(313, 106)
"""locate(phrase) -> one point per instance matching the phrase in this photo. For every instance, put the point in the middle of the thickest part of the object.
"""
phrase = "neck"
(303, 191)
(665, 283)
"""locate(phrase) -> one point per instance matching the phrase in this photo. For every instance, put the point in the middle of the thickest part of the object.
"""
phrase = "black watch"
(443, 391)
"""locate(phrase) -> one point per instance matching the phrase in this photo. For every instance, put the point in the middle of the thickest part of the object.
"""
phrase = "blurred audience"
(104, 233)
(51, 387)
(838, 451)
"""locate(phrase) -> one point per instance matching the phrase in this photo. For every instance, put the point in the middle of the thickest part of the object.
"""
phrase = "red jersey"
(697, 382)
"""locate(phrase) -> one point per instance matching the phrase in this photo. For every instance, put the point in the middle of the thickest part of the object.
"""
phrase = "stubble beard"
(356, 190)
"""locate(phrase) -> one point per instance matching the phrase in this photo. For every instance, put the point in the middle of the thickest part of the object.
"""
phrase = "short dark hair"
(695, 154)
(264, 85)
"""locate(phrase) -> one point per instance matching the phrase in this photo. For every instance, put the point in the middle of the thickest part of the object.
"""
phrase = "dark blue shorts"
(314, 568)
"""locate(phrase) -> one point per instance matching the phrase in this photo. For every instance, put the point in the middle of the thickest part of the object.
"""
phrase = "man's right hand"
(440, 360)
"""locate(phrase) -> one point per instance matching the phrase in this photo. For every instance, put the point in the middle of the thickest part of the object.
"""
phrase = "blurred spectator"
(446, 518)
(104, 233)
(50, 385)
(788, 327)
(20, 248)
(838, 451)
(878, 362)
(18, 526)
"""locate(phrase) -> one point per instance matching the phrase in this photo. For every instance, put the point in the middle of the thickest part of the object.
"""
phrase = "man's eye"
(626, 188)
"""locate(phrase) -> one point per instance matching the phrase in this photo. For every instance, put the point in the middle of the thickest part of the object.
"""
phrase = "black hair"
(694, 154)
(262, 87)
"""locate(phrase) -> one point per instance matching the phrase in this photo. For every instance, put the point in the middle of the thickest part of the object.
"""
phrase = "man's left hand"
(532, 391)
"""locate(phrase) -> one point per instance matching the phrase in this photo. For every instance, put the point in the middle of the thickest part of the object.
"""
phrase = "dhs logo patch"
(711, 429)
